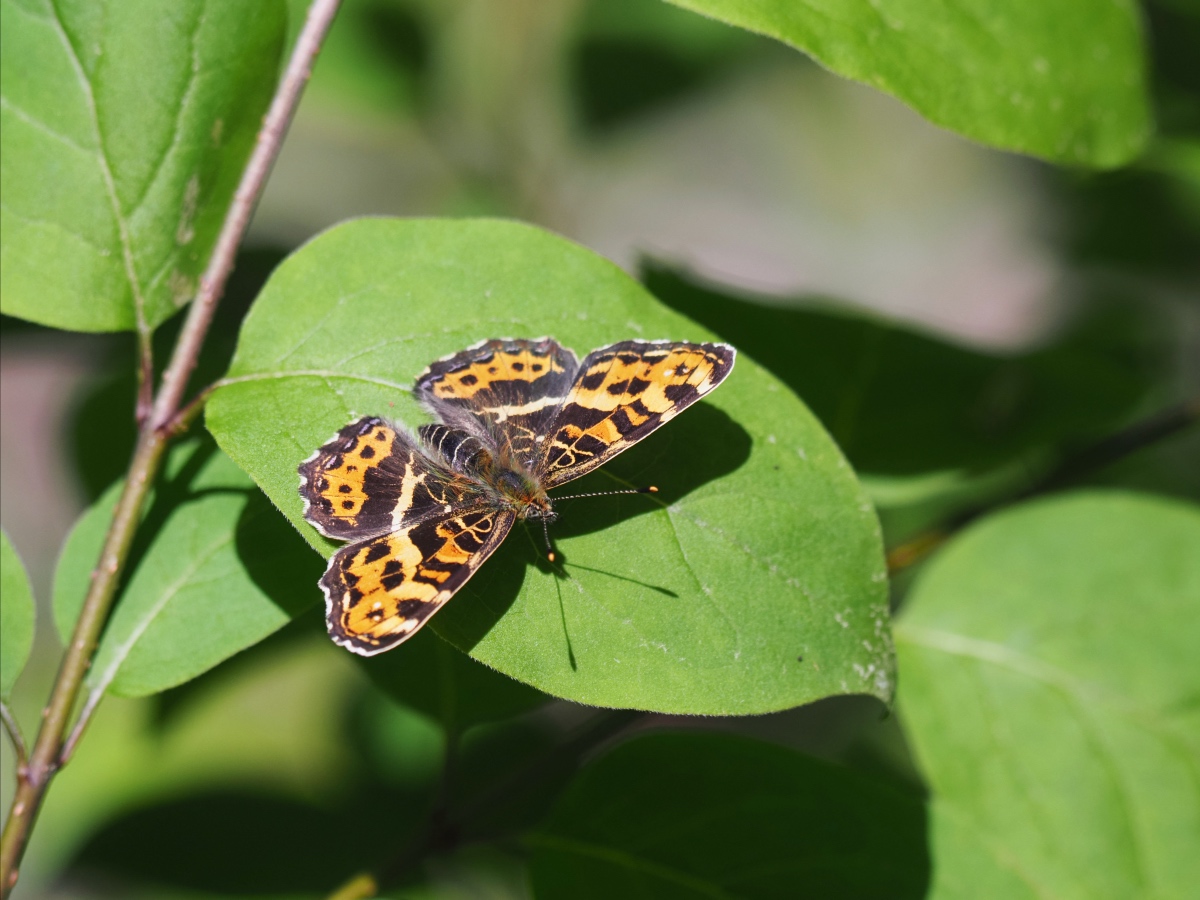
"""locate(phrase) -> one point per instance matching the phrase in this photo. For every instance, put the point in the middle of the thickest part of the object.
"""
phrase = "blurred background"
(802, 216)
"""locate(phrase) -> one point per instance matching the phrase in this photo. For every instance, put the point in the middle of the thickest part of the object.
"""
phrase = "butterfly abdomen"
(460, 451)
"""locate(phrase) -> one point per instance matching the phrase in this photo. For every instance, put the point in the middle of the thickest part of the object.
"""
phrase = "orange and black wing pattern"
(380, 591)
(622, 393)
(503, 391)
(371, 478)
(424, 513)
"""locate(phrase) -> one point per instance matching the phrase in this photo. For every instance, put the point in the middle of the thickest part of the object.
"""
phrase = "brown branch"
(1071, 469)
(46, 757)
(183, 419)
(145, 389)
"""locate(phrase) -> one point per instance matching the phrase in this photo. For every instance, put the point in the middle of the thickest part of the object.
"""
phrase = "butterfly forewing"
(504, 391)
(379, 592)
(621, 394)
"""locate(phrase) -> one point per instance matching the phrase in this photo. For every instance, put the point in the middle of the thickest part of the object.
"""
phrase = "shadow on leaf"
(276, 558)
(700, 446)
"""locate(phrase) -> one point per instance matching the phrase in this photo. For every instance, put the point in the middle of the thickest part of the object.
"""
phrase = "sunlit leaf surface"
(124, 126)
(1050, 692)
(1061, 80)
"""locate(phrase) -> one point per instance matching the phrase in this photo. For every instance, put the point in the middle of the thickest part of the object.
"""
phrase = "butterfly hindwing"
(371, 478)
(503, 391)
(380, 591)
(622, 393)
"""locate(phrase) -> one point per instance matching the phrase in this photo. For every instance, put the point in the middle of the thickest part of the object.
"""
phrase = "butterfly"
(515, 419)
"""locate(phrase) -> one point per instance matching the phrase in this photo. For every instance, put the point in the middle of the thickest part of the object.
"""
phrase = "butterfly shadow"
(279, 562)
(700, 446)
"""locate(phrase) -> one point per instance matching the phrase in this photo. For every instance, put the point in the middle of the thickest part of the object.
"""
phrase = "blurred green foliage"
(1047, 709)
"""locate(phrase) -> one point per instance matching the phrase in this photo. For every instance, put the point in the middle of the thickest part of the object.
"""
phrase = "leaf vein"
(105, 171)
(34, 122)
(631, 863)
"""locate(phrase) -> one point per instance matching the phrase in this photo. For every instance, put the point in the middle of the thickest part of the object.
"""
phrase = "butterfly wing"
(505, 392)
(622, 393)
(380, 591)
(372, 478)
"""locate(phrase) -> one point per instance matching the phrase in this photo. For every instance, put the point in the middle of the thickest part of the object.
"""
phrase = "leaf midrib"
(110, 187)
(1076, 692)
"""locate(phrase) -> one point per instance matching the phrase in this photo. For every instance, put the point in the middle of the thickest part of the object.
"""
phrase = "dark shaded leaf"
(448, 686)
(899, 402)
(697, 815)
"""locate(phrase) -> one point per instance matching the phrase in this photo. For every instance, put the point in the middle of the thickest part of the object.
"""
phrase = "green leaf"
(507, 775)
(213, 572)
(1051, 695)
(229, 842)
(753, 581)
(16, 616)
(1062, 80)
(438, 680)
(899, 402)
(701, 815)
(123, 130)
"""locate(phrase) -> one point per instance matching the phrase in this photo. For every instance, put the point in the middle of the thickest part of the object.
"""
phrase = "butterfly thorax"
(512, 485)
(525, 496)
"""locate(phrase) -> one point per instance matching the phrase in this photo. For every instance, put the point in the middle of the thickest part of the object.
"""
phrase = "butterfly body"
(516, 418)
(504, 480)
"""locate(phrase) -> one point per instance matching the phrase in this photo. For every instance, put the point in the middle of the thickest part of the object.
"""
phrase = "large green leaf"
(214, 571)
(900, 402)
(698, 815)
(753, 581)
(1063, 80)
(124, 126)
(16, 616)
(1051, 694)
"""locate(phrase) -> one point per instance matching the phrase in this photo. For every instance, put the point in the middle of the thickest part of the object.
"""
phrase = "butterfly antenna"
(649, 489)
(550, 554)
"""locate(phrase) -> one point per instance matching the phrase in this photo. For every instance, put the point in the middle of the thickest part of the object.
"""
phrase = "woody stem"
(45, 759)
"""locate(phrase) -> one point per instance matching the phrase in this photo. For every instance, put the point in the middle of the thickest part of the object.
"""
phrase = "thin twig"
(14, 734)
(45, 759)
(81, 721)
(145, 392)
(183, 419)
(1071, 469)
